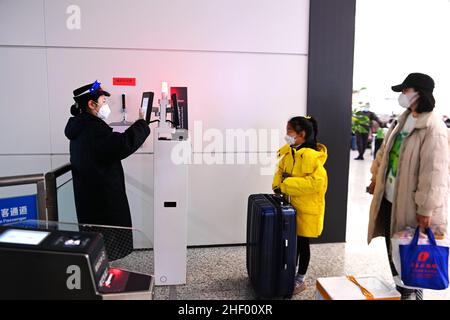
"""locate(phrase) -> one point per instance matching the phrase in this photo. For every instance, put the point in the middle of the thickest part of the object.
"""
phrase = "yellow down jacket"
(306, 185)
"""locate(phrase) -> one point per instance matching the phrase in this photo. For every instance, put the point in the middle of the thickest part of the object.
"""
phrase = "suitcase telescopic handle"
(283, 198)
(285, 253)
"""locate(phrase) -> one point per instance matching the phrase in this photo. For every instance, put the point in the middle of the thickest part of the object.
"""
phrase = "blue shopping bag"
(424, 266)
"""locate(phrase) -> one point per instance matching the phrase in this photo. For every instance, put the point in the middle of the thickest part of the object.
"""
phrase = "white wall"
(244, 63)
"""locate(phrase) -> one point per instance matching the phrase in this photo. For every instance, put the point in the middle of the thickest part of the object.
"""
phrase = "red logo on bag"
(423, 256)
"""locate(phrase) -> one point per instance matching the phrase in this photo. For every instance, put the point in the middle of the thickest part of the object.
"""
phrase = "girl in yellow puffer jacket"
(302, 176)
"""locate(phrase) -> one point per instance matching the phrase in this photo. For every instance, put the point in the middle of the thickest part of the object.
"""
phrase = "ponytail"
(311, 128)
(315, 127)
(76, 109)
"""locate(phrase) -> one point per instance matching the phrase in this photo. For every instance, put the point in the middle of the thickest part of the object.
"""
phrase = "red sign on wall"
(124, 81)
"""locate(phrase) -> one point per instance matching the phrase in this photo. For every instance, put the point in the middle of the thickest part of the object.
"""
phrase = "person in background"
(362, 138)
(410, 173)
(302, 176)
(379, 137)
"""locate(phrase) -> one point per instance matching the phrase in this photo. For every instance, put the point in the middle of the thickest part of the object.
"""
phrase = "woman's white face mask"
(104, 111)
(407, 99)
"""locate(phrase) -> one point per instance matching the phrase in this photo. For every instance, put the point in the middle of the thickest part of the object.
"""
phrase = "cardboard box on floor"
(361, 288)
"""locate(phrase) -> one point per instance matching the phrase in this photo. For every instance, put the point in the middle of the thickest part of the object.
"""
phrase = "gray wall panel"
(22, 22)
(232, 25)
(218, 197)
(24, 101)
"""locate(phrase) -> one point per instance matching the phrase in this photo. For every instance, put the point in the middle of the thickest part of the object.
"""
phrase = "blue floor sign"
(18, 209)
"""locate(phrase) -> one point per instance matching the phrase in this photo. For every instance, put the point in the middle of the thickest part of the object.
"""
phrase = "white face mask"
(406, 100)
(289, 140)
(104, 112)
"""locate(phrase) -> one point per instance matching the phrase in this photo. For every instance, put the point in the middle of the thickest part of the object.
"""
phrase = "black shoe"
(407, 294)
(359, 158)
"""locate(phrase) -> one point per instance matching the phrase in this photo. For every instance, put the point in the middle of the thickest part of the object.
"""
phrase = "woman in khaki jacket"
(410, 172)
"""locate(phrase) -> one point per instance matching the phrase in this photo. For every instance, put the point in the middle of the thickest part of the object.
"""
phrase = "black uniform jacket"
(98, 179)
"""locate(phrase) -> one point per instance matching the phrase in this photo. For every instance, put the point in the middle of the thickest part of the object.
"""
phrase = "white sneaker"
(300, 285)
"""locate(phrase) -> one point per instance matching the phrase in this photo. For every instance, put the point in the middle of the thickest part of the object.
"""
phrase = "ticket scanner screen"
(17, 236)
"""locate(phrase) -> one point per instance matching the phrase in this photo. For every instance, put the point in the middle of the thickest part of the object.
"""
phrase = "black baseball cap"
(416, 80)
(88, 92)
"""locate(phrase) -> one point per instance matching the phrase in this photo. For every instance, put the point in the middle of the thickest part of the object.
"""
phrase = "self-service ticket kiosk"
(170, 205)
(55, 264)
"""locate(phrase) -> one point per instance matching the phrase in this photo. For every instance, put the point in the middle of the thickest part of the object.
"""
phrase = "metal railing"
(52, 190)
(37, 179)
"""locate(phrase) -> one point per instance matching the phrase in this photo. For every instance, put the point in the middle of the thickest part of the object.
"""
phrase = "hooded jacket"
(98, 178)
(306, 186)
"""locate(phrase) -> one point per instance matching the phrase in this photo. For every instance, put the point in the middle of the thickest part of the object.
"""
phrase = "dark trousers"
(378, 143)
(385, 211)
(303, 254)
(361, 142)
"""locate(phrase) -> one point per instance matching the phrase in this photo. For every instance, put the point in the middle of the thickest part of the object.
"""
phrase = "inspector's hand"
(141, 114)
(371, 188)
(423, 222)
(277, 191)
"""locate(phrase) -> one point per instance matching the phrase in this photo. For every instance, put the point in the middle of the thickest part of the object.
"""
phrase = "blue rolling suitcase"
(271, 245)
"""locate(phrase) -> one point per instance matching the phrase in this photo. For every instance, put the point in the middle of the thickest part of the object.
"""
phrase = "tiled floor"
(220, 273)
